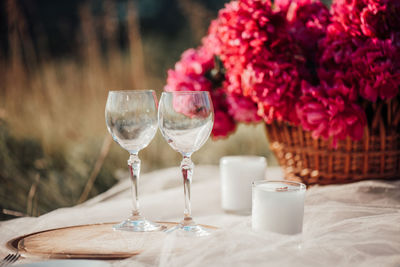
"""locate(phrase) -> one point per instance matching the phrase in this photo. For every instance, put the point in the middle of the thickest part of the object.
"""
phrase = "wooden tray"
(92, 241)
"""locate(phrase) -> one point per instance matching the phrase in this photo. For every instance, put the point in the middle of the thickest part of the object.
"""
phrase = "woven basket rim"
(376, 156)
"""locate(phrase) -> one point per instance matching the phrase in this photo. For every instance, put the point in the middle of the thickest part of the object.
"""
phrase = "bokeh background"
(58, 59)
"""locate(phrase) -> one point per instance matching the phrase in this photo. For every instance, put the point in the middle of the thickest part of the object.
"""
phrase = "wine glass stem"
(134, 170)
(187, 173)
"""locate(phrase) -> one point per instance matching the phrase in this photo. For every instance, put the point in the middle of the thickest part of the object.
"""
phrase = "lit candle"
(237, 174)
(278, 206)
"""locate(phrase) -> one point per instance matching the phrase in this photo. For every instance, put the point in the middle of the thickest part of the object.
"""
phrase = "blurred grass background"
(58, 59)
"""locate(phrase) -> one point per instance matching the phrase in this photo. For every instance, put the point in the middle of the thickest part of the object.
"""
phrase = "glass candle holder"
(237, 174)
(278, 206)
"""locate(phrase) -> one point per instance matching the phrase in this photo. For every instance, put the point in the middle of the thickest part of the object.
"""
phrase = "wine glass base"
(189, 230)
(141, 225)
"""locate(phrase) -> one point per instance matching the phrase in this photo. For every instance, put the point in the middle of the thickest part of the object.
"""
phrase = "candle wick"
(282, 189)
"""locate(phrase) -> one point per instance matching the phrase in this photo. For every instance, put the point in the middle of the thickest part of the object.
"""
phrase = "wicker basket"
(315, 161)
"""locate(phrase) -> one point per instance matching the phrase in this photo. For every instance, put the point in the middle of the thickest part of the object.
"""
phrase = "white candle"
(237, 174)
(278, 206)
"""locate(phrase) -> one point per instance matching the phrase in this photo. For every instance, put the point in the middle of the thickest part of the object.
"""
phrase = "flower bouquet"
(325, 82)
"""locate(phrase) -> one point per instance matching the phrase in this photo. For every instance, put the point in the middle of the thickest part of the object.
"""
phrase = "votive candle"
(278, 206)
(237, 174)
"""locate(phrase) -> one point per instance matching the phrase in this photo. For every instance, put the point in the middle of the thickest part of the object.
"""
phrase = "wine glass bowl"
(131, 119)
(186, 119)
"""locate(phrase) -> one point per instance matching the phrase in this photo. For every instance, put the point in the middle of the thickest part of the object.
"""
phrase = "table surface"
(355, 224)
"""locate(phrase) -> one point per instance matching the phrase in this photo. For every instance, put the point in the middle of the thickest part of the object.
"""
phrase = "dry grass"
(59, 105)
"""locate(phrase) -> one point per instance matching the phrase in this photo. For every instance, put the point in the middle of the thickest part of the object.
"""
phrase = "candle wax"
(278, 207)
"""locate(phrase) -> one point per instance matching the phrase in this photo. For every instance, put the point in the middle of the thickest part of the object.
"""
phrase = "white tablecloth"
(344, 225)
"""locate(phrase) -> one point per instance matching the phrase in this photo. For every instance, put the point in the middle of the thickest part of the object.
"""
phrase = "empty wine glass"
(131, 118)
(186, 119)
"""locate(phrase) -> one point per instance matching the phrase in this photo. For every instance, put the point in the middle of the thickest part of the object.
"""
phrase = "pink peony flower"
(195, 62)
(189, 72)
(242, 108)
(368, 18)
(375, 69)
(373, 21)
(190, 75)
(370, 67)
(178, 81)
(241, 28)
(241, 32)
(223, 124)
(273, 86)
(307, 22)
(327, 113)
(336, 50)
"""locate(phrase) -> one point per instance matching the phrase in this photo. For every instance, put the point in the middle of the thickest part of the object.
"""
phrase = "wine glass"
(186, 119)
(131, 118)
